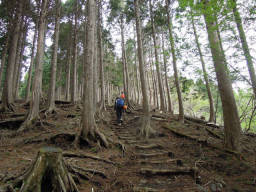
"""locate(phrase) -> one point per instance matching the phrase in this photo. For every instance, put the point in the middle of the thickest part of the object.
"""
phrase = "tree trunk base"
(8, 108)
(48, 173)
(96, 136)
(146, 130)
(27, 124)
(51, 110)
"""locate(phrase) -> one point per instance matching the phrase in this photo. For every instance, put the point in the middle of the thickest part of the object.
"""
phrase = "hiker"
(119, 107)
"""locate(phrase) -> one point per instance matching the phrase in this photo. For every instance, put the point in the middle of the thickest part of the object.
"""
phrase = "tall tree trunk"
(245, 47)
(211, 118)
(145, 129)
(156, 104)
(37, 81)
(31, 64)
(174, 60)
(232, 126)
(124, 60)
(89, 130)
(102, 83)
(20, 62)
(68, 72)
(157, 63)
(95, 67)
(7, 96)
(136, 68)
(166, 79)
(74, 69)
(3, 59)
(17, 57)
(51, 93)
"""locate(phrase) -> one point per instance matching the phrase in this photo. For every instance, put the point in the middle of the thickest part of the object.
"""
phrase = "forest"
(185, 70)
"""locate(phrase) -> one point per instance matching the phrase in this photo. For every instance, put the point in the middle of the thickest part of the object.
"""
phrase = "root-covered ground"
(182, 157)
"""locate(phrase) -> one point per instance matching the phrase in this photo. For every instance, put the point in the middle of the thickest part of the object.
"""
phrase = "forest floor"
(182, 158)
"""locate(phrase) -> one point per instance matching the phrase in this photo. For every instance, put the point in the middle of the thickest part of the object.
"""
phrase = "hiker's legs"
(118, 114)
(121, 113)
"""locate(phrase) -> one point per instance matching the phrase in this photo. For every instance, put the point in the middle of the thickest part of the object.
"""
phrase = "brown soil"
(167, 162)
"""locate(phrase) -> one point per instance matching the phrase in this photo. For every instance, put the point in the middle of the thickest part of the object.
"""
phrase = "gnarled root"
(8, 108)
(93, 136)
(51, 110)
(27, 124)
(48, 173)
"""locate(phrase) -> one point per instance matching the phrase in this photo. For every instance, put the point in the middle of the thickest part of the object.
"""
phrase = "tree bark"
(102, 83)
(20, 60)
(7, 96)
(174, 59)
(205, 74)
(136, 68)
(51, 93)
(245, 47)
(166, 79)
(145, 129)
(69, 58)
(95, 67)
(3, 59)
(33, 114)
(74, 69)
(124, 60)
(232, 126)
(31, 64)
(157, 63)
(89, 131)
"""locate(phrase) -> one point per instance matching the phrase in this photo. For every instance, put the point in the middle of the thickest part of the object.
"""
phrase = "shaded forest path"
(153, 164)
(179, 158)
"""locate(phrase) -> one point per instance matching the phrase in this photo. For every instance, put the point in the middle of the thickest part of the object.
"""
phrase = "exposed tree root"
(201, 121)
(51, 110)
(92, 171)
(159, 161)
(204, 142)
(158, 119)
(89, 156)
(150, 146)
(59, 102)
(146, 129)
(174, 171)
(91, 138)
(215, 134)
(12, 123)
(119, 144)
(27, 124)
(149, 155)
(9, 108)
(17, 115)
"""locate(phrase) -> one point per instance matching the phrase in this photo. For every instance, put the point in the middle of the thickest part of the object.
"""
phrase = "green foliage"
(246, 108)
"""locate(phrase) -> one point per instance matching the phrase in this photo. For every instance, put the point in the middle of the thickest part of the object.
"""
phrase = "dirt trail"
(167, 162)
